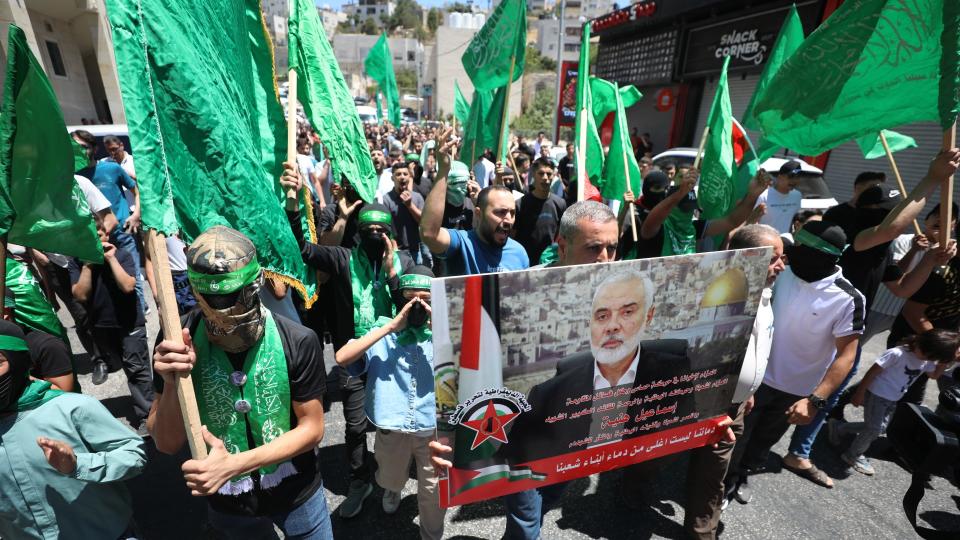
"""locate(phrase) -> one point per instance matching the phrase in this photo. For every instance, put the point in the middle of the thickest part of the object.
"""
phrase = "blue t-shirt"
(468, 255)
(110, 179)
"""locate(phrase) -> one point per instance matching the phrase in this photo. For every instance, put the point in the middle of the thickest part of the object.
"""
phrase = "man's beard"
(488, 234)
(611, 356)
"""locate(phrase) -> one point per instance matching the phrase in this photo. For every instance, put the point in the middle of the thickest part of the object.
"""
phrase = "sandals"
(812, 474)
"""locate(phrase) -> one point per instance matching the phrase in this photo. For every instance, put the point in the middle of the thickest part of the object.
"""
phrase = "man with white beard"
(622, 308)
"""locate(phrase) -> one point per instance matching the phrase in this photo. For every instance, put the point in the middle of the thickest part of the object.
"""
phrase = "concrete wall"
(72, 89)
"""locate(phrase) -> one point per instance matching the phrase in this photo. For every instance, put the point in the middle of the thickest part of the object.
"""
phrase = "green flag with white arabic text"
(873, 64)
(501, 42)
(206, 123)
(327, 101)
(41, 205)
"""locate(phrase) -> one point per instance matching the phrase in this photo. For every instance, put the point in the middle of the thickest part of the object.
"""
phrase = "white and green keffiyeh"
(266, 389)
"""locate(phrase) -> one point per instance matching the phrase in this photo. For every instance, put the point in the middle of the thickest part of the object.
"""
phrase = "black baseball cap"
(791, 168)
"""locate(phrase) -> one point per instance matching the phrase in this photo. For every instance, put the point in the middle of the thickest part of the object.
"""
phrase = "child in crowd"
(886, 381)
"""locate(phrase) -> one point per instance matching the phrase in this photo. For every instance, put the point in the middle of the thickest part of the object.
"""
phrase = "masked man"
(259, 380)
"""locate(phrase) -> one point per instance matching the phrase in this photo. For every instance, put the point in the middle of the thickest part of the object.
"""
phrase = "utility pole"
(556, 108)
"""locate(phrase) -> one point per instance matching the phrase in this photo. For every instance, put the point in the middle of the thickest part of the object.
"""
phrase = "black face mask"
(372, 244)
(417, 316)
(686, 205)
(810, 264)
(15, 380)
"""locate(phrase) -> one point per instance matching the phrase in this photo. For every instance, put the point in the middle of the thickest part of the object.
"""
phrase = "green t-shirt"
(32, 308)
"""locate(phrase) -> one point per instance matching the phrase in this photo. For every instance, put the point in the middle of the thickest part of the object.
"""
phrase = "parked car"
(360, 100)
(102, 130)
(816, 194)
(368, 115)
(408, 115)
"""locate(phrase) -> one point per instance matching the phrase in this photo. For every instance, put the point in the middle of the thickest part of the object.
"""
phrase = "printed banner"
(567, 102)
(549, 375)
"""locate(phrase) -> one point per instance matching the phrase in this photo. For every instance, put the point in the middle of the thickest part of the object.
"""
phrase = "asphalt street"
(785, 506)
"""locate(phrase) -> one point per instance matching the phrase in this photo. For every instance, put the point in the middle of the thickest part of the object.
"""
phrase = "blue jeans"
(128, 243)
(803, 436)
(525, 510)
(309, 521)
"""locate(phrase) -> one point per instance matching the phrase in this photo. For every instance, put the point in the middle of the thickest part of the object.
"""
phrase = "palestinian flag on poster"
(485, 409)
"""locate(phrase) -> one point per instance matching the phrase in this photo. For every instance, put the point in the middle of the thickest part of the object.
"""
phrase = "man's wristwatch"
(817, 401)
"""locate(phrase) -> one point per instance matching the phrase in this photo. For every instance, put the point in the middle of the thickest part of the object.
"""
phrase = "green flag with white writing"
(41, 205)
(206, 123)
(500, 44)
(873, 64)
(379, 67)
(327, 101)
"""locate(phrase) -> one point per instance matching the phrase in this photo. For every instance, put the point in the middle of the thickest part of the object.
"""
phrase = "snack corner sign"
(742, 45)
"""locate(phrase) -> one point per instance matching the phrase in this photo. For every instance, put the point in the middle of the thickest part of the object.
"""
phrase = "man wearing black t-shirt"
(259, 380)
(539, 211)
(108, 293)
(337, 223)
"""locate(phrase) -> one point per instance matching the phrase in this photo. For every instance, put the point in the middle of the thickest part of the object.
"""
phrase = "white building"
(365, 9)
(330, 19)
(276, 13)
(539, 5)
(547, 33)
(72, 40)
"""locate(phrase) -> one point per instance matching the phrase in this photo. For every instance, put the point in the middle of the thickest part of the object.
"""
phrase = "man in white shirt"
(708, 464)
(384, 174)
(782, 200)
(484, 170)
(819, 319)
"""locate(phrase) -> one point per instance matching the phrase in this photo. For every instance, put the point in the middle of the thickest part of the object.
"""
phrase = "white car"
(368, 115)
(816, 194)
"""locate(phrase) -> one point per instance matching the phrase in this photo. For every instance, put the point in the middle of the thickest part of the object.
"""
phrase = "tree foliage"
(369, 27)
(459, 7)
(536, 62)
(538, 116)
(434, 18)
(406, 15)
(406, 80)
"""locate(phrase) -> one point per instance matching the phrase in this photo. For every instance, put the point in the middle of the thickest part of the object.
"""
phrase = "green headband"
(415, 281)
(12, 343)
(375, 216)
(224, 283)
(811, 240)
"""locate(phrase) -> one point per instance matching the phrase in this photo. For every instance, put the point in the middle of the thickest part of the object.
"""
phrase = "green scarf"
(679, 234)
(267, 390)
(409, 335)
(35, 395)
(370, 300)
(32, 309)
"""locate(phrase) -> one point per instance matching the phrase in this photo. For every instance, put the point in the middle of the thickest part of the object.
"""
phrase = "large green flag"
(715, 194)
(483, 127)
(206, 122)
(604, 97)
(872, 147)
(788, 41)
(461, 108)
(621, 164)
(500, 44)
(873, 64)
(327, 101)
(41, 205)
(379, 67)
(586, 137)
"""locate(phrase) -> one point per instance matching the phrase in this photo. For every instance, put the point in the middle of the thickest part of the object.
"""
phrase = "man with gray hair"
(588, 234)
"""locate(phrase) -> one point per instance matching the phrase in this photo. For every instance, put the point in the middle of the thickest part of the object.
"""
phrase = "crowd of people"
(256, 355)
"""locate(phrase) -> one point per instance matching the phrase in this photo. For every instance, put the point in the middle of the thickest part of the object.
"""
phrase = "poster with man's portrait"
(548, 375)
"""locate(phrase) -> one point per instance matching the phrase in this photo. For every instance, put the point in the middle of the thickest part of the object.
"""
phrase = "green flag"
(872, 148)
(461, 108)
(716, 194)
(379, 67)
(206, 122)
(483, 124)
(621, 164)
(873, 64)
(788, 41)
(500, 44)
(604, 97)
(327, 101)
(586, 136)
(41, 205)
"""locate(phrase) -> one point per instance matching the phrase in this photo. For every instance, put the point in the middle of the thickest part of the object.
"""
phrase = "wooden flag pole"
(292, 124)
(506, 108)
(513, 167)
(703, 143)
(633, 218)
(946, 192)
(896, 174)
(170, 325)
(581, 155)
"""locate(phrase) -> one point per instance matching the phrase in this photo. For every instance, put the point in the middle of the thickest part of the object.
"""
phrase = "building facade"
(366, 9)
(72, 40)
